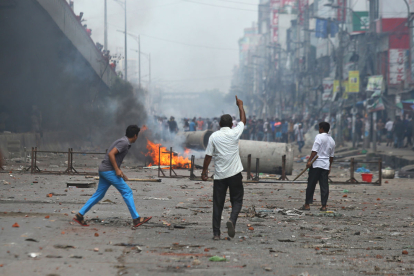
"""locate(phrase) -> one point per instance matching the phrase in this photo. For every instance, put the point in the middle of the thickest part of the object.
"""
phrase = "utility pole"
(126, 45)
(106, 29)
(139, 60)
(341, 73)
(307, 49)
(149, 77)
(297, 48)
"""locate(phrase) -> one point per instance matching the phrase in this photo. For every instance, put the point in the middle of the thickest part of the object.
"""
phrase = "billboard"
(397, 61)
(360, 21)
(353, 80)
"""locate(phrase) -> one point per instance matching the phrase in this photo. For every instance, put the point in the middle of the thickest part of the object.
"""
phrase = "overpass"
(50, 68)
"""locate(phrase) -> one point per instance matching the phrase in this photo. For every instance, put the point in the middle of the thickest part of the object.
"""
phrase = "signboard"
(275, 34)
(288, 6)
(353, 82)
(303, 4)
(275, 20)
(328, 85)
(360, 21)
(321, 28)
(397, 60)
(327, 89)
(326, 97)
(341, 14)
(375, 83)
(275, 4)
(335, 89)
(275, 26)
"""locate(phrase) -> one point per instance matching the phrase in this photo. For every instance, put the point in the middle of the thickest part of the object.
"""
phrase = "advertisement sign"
(303, 5)
(275, 19)
(326, 97)
(353, 82)
(375, 83)
(275, 34)
(288, 6)
(341, 14)
(397, 60)
(321, 28)
(275, 4)
(327, 89)
(335, 89)
(360, 21)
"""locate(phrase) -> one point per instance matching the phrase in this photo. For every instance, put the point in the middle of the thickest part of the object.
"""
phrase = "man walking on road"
(110, 174)
(324, 148)
(223, 145)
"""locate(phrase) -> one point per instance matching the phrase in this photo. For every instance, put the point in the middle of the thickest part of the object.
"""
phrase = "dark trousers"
(300, 145)
(315, 175)
(235, 185)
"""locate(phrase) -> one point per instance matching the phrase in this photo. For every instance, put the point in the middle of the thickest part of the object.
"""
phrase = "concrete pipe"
(195, 139)
(270, 155)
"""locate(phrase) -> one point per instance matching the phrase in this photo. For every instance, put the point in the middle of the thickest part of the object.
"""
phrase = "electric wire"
(212, 5)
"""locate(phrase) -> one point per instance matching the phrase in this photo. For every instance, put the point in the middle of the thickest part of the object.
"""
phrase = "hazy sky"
(176, 67)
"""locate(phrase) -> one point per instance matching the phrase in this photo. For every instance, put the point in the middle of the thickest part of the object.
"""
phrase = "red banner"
(341, 15)
(275, 19)
(303, 5)
(275, 34)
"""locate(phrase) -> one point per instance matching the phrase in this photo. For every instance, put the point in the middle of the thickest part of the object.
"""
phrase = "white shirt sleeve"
(238, 130)
(316, 144)
(210, 147)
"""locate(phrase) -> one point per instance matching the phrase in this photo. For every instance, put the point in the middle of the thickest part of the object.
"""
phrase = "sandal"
(304, 209)
(79, 219)
(140, 221)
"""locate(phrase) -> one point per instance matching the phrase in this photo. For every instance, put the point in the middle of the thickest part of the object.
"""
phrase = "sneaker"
(230, 229)
(216, 238)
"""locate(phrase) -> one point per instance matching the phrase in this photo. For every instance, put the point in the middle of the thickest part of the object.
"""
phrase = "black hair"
(132, 130)
(325, 126)
(226, 121)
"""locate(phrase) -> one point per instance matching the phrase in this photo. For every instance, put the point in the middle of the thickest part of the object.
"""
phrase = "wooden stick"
(316, 157)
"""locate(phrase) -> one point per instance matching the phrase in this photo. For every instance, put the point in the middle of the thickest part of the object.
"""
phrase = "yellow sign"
(353, 82)
(345, 88)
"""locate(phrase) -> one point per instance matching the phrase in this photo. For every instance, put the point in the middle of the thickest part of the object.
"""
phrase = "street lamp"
(148, 56)
(123, 4)
(137, 38)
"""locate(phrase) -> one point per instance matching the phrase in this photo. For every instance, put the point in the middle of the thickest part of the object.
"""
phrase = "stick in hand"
(316, 157)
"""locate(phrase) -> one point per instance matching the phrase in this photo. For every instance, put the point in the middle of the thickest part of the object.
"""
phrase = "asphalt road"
(368, 233)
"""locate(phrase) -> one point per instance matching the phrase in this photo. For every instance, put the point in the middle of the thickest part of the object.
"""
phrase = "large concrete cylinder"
(270, 155)
(195, 139)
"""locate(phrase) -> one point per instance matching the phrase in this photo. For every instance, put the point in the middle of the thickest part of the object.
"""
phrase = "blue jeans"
(106, 179)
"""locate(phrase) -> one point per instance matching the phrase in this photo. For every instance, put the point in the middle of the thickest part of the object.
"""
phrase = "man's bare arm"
(330, 163)
(112, 159)
(207, 160)
(239, 103)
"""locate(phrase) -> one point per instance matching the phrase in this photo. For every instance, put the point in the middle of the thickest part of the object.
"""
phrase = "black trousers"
(315, 175)
(235, 185)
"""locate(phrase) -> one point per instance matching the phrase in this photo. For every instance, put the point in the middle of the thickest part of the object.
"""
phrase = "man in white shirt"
(389, 127)
(223, 145)
(324, 148)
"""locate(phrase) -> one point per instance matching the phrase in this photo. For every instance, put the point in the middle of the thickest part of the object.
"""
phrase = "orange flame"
(153, 152)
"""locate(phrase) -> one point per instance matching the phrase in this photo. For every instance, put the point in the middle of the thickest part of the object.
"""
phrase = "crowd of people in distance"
(396, 133)
(268, 130)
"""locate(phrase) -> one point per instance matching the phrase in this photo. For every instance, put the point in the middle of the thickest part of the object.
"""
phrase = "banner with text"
(353, 82)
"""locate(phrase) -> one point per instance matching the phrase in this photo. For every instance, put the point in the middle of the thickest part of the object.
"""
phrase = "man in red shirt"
(200, 124)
